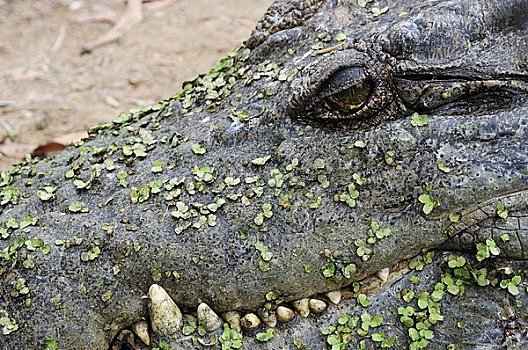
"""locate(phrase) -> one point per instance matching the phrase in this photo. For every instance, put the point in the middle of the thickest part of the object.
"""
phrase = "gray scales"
(342, 142)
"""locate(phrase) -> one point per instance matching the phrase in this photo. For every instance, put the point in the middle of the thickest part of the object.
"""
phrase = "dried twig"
(132, 16)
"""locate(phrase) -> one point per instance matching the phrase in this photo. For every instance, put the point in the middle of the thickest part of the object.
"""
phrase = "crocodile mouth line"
(166, 319)
(165, 316)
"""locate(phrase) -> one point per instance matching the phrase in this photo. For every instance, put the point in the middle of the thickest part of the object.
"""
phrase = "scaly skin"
(108, 231)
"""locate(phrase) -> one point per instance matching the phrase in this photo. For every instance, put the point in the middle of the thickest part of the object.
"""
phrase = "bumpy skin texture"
(463, 63)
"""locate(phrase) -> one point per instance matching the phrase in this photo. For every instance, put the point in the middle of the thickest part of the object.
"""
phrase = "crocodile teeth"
(208, 318)
(270, 320)
(284, 314)
(140, 328)
(250, 321)
(233, 318)
(383, 274)
(302, 307)
(317, 305)
(165, 316)
(334, 297)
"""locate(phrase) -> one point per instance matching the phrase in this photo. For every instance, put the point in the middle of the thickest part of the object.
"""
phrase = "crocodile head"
(339, 141)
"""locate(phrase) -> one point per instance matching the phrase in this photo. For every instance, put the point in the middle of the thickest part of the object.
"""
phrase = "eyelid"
(344, 79)
(307, 87)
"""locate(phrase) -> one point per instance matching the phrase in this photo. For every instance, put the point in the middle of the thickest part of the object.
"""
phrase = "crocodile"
(372, 151)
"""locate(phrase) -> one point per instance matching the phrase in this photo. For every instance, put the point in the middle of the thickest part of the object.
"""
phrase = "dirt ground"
(49, 92)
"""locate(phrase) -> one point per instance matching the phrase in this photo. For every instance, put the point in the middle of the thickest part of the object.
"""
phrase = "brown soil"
(50, 92)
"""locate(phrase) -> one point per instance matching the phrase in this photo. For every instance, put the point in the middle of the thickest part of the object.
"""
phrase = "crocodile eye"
(348, 89)
(344, 89)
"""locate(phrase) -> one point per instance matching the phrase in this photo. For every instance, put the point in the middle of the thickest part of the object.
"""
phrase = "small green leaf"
(272, 295)
(231, 338)
(91, 254)
(363, 300)
(107, 296)
(266, 336)
(259, 219)
(443, 167)
(492, 246)
(319, 163)
(482, 252)
(423, 300)
(340, 37)
(260, 160)
(414, 279)
(407, 297)
(157, 166)
(428, 203)
(46, 193)
(453, 217)
(456, 261)
(376, 11)
(76, 207)
(80, 184)
(513, 289)
(419, 119)
(264, 265)
(51, 344)
(264, 250)
(198, 149)
(363, 3)
(378, 337)
(502, 212)
(348, 270)
(28, 221)
(329, 271)
(266, 210)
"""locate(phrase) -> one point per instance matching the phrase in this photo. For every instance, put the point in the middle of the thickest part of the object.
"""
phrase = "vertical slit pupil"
(352, 97)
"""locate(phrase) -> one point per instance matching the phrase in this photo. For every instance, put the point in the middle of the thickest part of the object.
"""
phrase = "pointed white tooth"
(250, 321)
(208, 318)
(284, 314)
(233, 318)
(140, 328)
(302, 307)
(165, 316)
(317, 305)
(334, 296)
(383, 274)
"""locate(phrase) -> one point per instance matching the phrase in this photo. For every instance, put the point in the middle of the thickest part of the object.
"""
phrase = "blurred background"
(66, 65)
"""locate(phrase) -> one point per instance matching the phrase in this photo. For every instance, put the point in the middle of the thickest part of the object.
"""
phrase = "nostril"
(402, 39)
